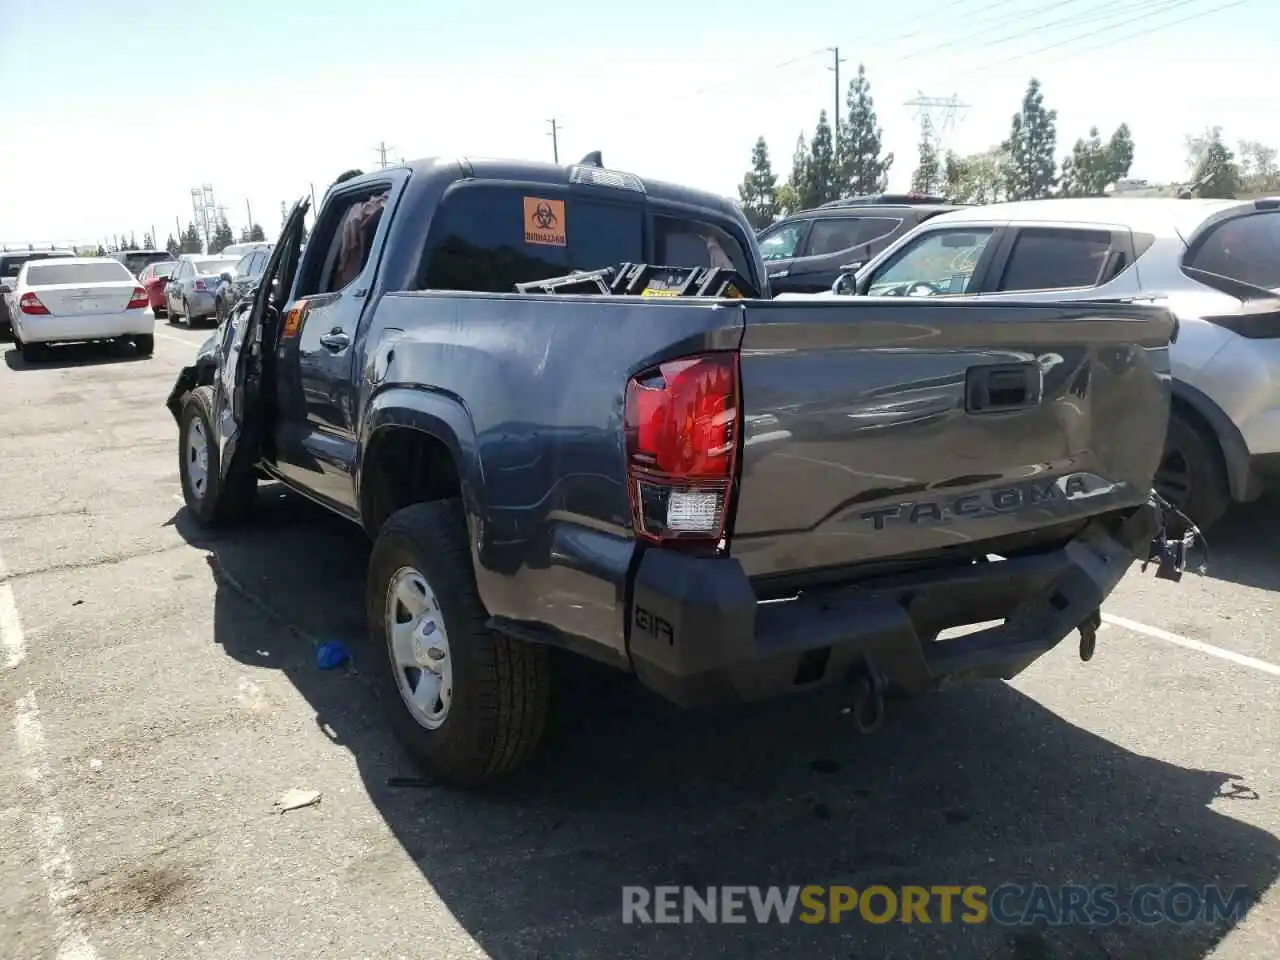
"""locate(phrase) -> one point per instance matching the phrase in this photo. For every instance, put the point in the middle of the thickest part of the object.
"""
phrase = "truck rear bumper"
(699, 636)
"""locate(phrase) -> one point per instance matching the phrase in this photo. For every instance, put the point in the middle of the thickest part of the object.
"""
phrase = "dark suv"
(806, 252)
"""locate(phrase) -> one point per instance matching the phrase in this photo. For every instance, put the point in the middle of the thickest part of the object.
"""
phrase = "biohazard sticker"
(544, 222)
(294, 317)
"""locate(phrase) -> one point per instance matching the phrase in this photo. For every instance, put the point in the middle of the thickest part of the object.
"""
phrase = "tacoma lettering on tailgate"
(992, 501)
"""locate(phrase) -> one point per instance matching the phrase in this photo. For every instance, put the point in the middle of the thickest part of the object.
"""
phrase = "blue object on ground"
(332, 654)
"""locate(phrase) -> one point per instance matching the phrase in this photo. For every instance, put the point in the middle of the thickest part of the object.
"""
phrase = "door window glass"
(939, 263)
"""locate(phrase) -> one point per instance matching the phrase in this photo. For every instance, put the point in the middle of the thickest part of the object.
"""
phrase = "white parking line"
(12, 640)
(1155, 632)
(48, 826)
(183, 340)
(47, 823)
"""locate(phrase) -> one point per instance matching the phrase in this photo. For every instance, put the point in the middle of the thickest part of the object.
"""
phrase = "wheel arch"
(1197, 408)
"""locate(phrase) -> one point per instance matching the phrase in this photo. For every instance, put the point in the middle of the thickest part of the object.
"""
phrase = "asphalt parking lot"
(160, 692)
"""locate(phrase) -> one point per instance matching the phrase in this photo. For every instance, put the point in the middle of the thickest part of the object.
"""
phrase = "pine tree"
(821, 180)
(191, 242)
(759, 188)
(221, 238)
(102, 251)
(1030, 171)
(928, 176)
(173, 246)
(1093, 166)
(799, 173)
(257, 234)
(863, 170)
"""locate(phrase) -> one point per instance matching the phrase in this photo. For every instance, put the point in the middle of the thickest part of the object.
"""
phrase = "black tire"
(501, 687)
(217, 503)
(1192, 475)
(145, 344)
(186, 315)
(31, 352)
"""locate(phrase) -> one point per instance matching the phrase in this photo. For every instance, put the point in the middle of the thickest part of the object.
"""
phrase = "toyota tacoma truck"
(565, 410)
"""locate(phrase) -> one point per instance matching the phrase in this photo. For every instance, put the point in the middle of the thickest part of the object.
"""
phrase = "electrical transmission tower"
(204, 207)
(937, 117)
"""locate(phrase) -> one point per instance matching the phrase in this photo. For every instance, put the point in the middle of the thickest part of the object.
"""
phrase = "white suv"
(1214, 263)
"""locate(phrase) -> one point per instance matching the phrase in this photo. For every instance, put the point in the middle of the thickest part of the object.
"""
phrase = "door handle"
(1000, 387)
(335, 340)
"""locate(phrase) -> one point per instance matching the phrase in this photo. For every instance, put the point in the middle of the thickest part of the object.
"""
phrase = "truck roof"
(536, 171)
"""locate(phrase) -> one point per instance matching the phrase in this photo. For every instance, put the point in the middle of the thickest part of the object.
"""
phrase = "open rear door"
(246, 339)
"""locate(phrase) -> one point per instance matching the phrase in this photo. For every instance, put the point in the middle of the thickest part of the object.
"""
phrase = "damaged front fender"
(188, 380)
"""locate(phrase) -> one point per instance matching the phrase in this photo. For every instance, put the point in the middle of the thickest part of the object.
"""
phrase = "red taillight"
(138, 300)
(199, 284)
(682, 423)
(30, 305)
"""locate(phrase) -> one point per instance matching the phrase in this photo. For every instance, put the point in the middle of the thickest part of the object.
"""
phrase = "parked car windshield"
(100, 271)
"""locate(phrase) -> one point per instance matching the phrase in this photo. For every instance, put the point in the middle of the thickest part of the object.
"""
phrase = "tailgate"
(877, 428)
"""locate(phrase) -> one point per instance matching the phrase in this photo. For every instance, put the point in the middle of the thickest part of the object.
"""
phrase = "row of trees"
(828, 167)
(190, 242)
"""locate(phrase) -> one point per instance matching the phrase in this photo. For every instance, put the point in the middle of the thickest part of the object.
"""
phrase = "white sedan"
(80, 298)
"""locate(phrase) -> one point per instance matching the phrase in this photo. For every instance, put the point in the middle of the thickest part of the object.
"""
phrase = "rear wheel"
(186, 314)
(145, 343)
(1192, 475)
(470, 704)
(30, 351)
(213, 501)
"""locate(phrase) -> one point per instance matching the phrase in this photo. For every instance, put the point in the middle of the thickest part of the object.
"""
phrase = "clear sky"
(112, 112)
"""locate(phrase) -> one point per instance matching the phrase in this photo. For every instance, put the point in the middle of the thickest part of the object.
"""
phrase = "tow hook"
(864, 699)
(1089, 635)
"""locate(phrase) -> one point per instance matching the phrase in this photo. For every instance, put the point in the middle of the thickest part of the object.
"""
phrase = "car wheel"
(145, 344)
(30, 351)
(1192, 475)
(186, 315)
(469, 704)
(213, 501)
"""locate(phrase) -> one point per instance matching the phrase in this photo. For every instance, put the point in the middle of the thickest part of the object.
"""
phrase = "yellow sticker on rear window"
(544, 222)
(658, 292)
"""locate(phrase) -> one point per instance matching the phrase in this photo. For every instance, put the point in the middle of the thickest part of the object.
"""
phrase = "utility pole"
(284, 213)
(248, 210)
(313, 195)
(177, 222)
(555, 139)
(835, 67)
(381, 150)
(155, 241)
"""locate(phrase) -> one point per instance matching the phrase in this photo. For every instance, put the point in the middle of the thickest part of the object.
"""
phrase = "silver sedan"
(191, 289)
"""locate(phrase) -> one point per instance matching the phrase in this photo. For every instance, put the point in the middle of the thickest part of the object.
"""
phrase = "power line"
(1144, 16)
(1144, 33)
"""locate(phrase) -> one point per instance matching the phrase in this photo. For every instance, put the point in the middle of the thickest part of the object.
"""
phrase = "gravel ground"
(160, 692)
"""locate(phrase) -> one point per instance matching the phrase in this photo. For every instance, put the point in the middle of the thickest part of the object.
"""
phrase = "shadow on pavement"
(61, 356)
(1242, 545)
(976, 786)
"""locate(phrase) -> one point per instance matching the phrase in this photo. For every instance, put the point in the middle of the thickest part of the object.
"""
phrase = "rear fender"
(440, 416)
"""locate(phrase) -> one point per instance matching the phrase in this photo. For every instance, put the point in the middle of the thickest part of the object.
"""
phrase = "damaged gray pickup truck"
(728, 496)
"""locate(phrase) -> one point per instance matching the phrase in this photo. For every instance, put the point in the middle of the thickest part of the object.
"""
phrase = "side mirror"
(846, 285)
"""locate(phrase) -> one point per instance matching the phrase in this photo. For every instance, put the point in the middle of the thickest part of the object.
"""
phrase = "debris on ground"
(331, 655)
(297, 799)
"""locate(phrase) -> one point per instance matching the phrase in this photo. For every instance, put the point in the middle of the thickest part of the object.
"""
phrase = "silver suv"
(1215, 263)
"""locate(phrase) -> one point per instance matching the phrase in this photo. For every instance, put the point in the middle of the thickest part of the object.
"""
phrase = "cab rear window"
(489, 238)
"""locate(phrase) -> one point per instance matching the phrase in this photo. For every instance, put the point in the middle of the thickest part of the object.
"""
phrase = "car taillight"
(681, 429)
(199, 284)
(138, 300)
(30, 304)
